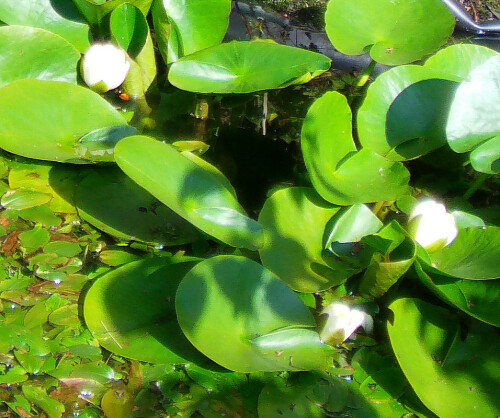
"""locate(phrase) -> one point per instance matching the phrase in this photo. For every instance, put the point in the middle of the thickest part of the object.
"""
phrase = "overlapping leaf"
(45, 56)
(196, 191)
(294, 220)
(435, 359)
(245, 67)
(404, 112)
(244, 318)
(47, 126)
(195, 25)
(339, 172)
(57, 16)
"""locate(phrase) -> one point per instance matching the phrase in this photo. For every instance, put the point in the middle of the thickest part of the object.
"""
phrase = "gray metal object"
(465, 22)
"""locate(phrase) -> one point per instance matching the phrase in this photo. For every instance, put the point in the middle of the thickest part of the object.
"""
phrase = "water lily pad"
(352, 224)
(196, 25)
(294, 220)
(395, 31)
(244, 318)
(131, 312)
(36, 54)
(98, 144)
(435, 359)
(341, 174)
(473, 255)
(129, 212)
(459, 60)
(129, 28)
(245, 67)
(473, 117)
(479, 298)
(58, 16)
(404, 112)
(195, 191)
(95, 10)
(395, 254)
(53, 115)
(24, 199)
(58, 180)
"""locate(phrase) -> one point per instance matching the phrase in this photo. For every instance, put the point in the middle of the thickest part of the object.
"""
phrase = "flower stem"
(475, 186)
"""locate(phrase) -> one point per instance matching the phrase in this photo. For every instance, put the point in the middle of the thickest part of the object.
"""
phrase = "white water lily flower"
(104, 67)
(431, 226)
(342, 322)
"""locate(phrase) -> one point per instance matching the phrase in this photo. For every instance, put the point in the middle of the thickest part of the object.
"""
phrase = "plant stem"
(475, 186)
(363, 79)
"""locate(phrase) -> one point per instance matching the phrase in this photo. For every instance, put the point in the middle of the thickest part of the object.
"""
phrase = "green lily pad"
(131, 312)
(436, 360)
(196, 191)
(24, 199)
(54, 115)
(473, 117)
(473, 255)
(98, 144)
(404, 112)
(129, 28)
(457, 61)
(244, 318)
(36, 54)
(341, 174)
(245, 67)
(395, 31)
(478, 298)
(294, 220)
(34, 239)
(195, 25)
(387, 267)
(39, 397)
(485, 158)
(352, 224)
(58, 16)
(57, 180)
(112, 202)
(95, 10)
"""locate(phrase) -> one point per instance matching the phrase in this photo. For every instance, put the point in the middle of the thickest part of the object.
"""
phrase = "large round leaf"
(475, 113)
(453, 377)
(479, 298)
(294, 220)
(243, 317)
(57, 16)
(245, 67)
(473, 255)
(36, 53)
(404, 112)
(111, 201)
(47, 126)
(339, 173)
(396, 31)
(196, 191)
(459, 60)
(131, 312)
(95, 10)
(196, 25)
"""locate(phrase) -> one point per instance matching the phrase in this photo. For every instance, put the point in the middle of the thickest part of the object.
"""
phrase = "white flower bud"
(342, 322)
(431, 226)
(104, 67)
